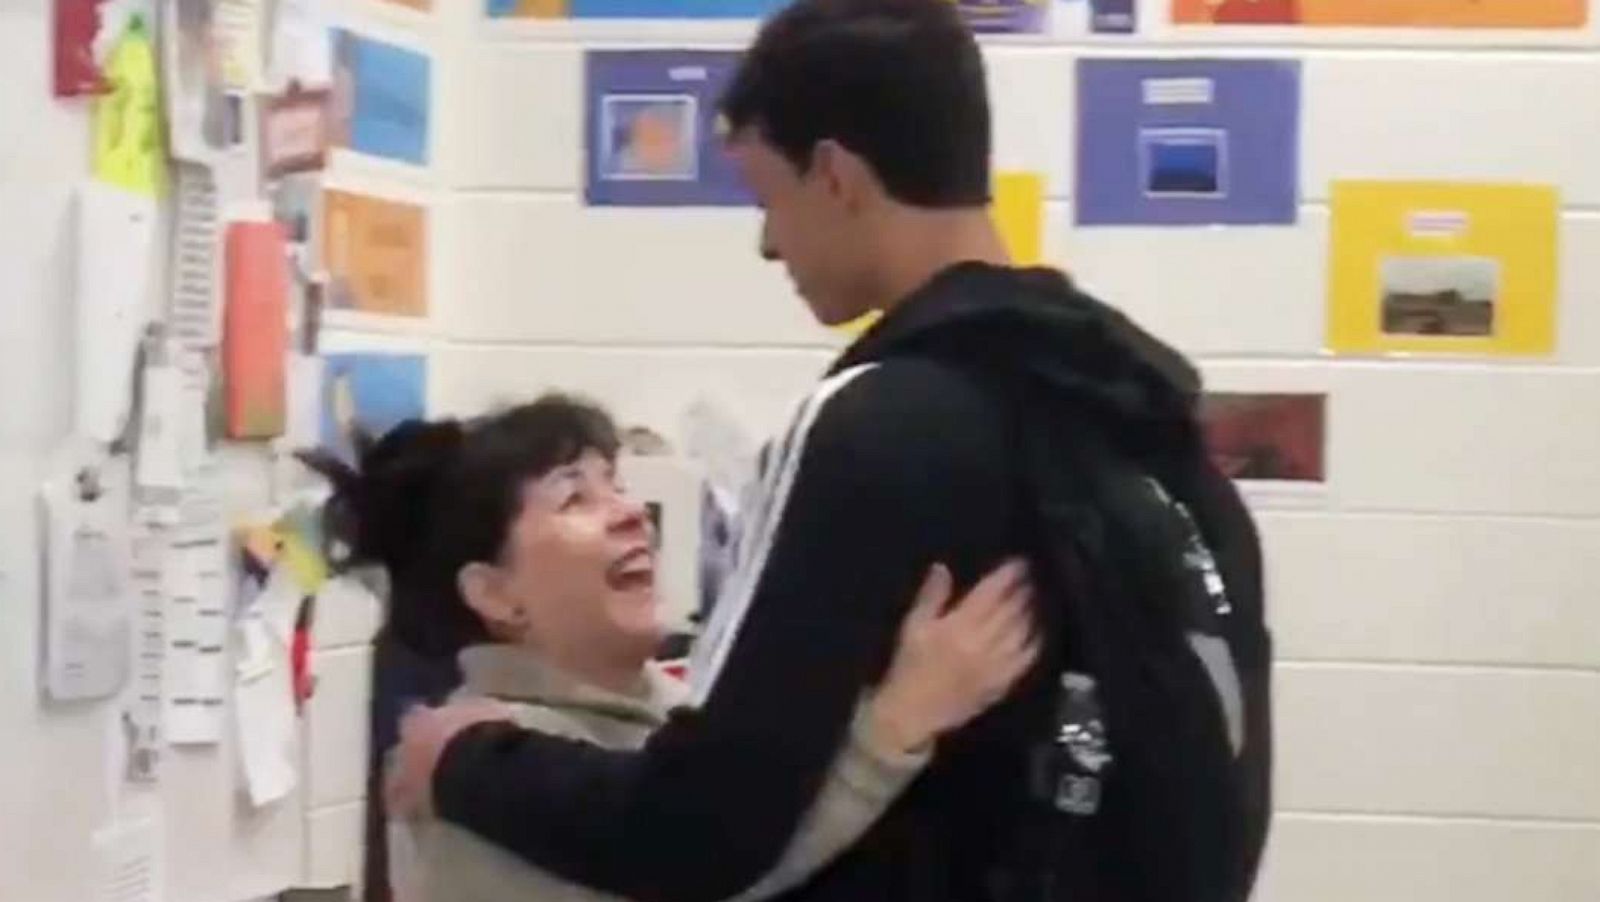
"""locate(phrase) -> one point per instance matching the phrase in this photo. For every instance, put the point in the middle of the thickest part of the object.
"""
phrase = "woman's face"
(577, 576)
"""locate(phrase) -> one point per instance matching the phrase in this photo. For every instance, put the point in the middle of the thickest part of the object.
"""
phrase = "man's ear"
(846, 176)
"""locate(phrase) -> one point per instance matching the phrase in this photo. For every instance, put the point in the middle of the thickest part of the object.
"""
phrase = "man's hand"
(424, 734)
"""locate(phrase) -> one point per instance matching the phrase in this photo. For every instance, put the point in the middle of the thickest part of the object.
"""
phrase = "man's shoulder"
(901, 397)
(906, 416)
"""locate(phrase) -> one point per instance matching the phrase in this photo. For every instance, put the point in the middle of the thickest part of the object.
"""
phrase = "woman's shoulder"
(551, 719)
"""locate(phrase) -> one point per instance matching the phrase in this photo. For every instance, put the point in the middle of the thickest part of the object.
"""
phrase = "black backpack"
(1150, 773)
(1152, 781)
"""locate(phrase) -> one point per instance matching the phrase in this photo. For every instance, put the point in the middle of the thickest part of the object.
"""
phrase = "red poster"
(76, 72)
(255, 337)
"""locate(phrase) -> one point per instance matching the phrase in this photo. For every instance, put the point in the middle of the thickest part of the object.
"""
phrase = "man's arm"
(894, 469)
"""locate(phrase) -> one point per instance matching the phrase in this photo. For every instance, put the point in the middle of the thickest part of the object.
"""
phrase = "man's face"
(807, 225)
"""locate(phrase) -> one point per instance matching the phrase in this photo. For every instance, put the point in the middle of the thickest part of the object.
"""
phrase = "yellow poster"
(1402, 13)
(376, 252)
(1443, 268)
(1019, 214)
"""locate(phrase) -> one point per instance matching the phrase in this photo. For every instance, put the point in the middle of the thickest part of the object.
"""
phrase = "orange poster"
(376, 252)
(1403, 13)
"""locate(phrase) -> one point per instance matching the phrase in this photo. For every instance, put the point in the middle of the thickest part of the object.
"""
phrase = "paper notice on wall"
(198, 590)
(264, 712)
(158, 468)
(88, 619)
(239, 33)
(142, 715)
(300, 49)
(194, 315)
(128, 862)
(116, 235)
(205, 116)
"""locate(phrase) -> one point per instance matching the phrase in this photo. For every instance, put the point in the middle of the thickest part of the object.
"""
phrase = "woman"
(509, 541)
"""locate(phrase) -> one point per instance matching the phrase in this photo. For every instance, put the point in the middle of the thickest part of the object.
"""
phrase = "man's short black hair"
(898, 82)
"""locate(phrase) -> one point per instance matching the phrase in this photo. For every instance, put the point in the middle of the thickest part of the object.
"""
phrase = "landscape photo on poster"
(1267, 437)
(1403, 13)
(1443, 268)
(652, 129)
(1181, 142)
(370, 393)
(375, 252)
(381, 98)
(1444, 295)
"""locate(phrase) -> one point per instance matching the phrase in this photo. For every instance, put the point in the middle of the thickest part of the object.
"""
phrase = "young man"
(953, 431)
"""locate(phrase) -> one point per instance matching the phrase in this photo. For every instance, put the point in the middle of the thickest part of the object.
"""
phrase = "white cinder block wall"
(1438, 619)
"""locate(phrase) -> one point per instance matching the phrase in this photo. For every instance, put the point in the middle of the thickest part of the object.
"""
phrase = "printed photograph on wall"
(375, 252)
(1444, 268)
(1184, 162)
(1272, 444)
(1439, 295)
(1166, 142)
(652, 135)
(381, 98)
(1266, 437)
(1399, 13)
(369, 392)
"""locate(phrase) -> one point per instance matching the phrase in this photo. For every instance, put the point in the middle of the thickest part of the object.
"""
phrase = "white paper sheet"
(198, 590)
(300, 49)
(88, 598)
(116, 234)
(142, 714)
(194, 314)
(304, 426)
(128, 865)
(240, 31)
(264, 714)
(159, 469)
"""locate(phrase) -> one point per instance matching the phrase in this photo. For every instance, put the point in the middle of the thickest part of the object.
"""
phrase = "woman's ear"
(479, 585)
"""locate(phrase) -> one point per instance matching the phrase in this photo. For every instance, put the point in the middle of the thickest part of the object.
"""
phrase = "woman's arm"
(950, 665)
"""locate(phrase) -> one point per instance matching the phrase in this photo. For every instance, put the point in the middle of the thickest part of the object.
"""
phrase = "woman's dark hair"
(430, 497)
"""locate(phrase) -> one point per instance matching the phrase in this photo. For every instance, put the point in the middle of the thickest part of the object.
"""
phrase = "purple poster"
(1188, 142)
(1005, 16)
(1113, 16)
(652, 129)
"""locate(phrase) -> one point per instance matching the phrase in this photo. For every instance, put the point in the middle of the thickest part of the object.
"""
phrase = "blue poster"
(381, 98)
(674, 9)
(1188, 142)
(651, 137)
(371, 392)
